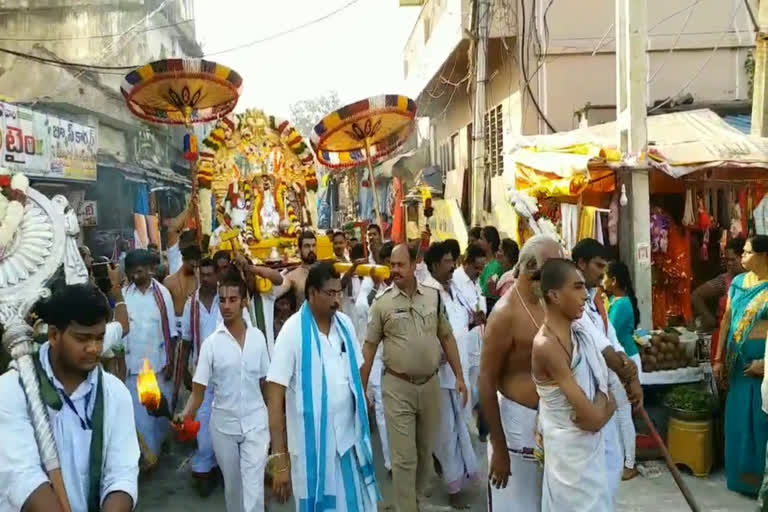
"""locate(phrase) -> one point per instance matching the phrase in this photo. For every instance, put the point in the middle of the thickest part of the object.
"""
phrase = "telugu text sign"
(41, 145)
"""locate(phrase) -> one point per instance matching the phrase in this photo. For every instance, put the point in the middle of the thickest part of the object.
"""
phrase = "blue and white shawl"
(313, 423)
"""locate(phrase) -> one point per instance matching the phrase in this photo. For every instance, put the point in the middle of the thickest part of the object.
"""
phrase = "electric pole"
(631, 117)
(478, 124)
(760, 81)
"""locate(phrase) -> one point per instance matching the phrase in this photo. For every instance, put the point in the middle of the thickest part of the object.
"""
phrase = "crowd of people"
(517, 346)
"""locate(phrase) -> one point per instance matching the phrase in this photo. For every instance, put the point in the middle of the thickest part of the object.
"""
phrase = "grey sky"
(358, 52)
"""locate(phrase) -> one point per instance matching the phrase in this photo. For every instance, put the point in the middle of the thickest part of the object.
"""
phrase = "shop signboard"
(45, 146)
(73, 150)
(23, 139)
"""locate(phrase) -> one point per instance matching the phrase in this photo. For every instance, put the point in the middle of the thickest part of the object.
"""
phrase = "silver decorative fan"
(27, 265)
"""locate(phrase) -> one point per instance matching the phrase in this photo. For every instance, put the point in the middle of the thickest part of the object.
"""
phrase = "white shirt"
(471, 293)
(363, 310)
(341, 403)
(458, 317)
(145, 339)
(174, 259)
(21, 470)
(235, 374)
(113, 336)
(604, 339)
(209, 320)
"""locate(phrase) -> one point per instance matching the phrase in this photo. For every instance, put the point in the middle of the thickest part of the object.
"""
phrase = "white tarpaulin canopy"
(678, 143)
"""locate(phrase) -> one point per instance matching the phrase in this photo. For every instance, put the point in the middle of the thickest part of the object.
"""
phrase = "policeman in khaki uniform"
(410, 319)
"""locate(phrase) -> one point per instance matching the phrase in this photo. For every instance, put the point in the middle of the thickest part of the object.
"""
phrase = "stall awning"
(679, 143)
(151, 174)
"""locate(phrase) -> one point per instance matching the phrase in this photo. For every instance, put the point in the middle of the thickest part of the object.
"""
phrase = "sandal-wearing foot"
(629, 474)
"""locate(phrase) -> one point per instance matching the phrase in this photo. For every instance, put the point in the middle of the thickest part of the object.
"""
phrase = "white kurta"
(454, 448)
(239, 423)
(377, 370)
(341, 434)
(21, 470)
(605, 336)
(145, 340)
(471, 296)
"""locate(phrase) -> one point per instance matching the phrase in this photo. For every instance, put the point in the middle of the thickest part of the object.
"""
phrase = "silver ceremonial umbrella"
(28, 263)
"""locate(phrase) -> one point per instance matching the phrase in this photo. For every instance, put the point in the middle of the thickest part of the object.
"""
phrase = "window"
(494, 142)
(446, 157)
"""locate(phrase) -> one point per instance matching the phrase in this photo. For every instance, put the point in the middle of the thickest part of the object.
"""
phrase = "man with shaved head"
(508, 396)
(410, 320)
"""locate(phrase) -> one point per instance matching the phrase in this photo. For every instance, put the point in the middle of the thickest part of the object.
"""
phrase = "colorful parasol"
(183, 92)
(364, 132)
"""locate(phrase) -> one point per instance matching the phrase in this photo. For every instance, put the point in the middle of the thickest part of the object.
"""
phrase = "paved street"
(169, 490)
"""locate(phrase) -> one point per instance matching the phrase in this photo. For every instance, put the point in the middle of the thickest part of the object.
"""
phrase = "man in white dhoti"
(152, 337)
(465, 280)
(200, 319)
(368, 291)
(98, 449)
(453, 450)
(316, 397)
(591, 258)
(233, 361)
(572, 381)
(508, 397)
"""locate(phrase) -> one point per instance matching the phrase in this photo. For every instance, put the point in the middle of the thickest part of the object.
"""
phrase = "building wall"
(72, 30)
(682, 41)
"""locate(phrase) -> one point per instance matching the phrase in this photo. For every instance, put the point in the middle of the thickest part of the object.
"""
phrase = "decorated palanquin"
(262, 177)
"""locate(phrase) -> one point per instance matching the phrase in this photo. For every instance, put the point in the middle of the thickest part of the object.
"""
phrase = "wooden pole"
(195, 205)
(670, 464)
(373, 181)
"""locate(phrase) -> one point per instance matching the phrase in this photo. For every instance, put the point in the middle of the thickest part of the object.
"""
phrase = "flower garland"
(12, 199)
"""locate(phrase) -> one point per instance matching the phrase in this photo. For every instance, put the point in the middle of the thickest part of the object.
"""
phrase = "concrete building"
(568, 75)
(110, 33)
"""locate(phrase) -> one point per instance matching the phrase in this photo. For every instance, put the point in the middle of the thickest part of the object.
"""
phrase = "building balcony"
(442, 26)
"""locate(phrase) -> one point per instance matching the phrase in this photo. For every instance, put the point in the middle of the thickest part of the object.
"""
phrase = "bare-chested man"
(294, 280)
(507, 392)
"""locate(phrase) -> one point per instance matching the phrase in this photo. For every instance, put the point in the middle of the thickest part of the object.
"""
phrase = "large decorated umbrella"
(364, 133)
(182, 92)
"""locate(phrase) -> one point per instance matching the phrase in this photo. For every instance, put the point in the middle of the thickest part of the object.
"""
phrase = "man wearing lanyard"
(591, 258)
(97, 447)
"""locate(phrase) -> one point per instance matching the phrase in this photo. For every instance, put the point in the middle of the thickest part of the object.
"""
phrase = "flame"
(149, 391)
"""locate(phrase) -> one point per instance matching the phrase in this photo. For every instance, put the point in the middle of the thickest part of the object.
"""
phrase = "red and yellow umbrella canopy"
(380, 124)
(181, 91)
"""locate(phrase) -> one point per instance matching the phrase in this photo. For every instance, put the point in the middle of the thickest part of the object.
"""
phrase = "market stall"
(707, 186)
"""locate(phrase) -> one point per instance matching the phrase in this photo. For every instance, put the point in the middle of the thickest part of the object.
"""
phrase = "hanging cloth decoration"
(704, 223)
(688, 217)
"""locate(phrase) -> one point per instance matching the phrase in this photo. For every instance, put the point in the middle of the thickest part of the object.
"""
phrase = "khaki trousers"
(413, 419)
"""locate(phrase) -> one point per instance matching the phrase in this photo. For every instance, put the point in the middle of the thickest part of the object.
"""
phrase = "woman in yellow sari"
(740, 357)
